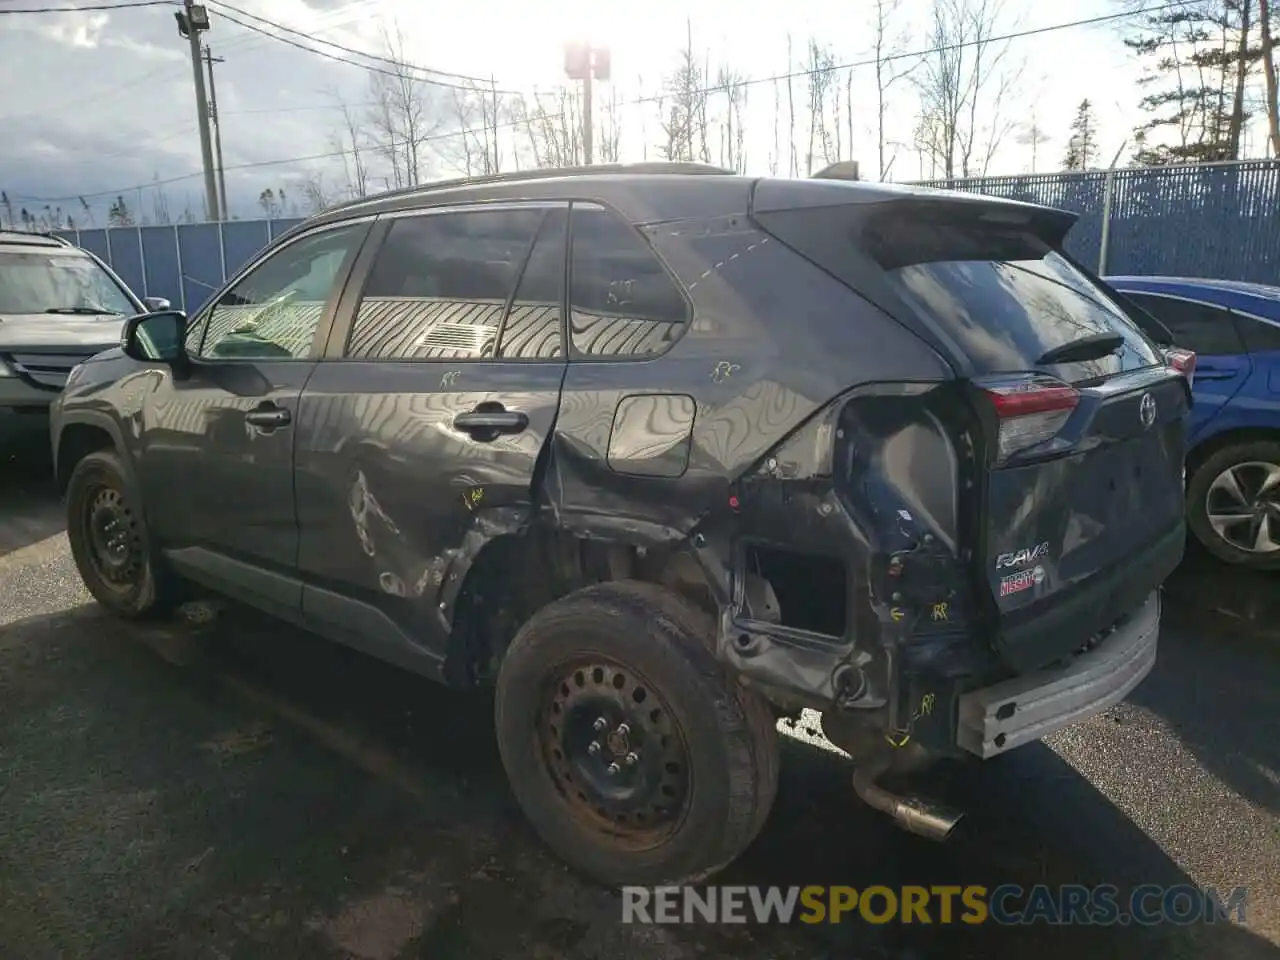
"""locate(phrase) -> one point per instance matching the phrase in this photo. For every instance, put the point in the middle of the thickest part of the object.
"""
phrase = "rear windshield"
(1005, 298)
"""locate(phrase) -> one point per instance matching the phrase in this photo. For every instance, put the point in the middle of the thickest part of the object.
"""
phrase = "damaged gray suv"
(663, 454)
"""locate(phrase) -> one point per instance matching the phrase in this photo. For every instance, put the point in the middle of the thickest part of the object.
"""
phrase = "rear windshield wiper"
(1092, 347)
(94, 311)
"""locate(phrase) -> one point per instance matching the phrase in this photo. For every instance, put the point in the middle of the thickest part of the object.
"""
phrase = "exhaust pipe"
(915, 815)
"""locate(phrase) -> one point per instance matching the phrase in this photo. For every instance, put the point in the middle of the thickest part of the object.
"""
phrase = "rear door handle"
(1215, 373)
(268, 416)
(497, 421)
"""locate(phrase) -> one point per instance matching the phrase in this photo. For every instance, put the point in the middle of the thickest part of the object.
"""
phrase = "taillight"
(1184, 361)
(1029, 411)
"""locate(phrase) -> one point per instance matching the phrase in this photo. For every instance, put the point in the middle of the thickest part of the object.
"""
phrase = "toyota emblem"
(1147, 410)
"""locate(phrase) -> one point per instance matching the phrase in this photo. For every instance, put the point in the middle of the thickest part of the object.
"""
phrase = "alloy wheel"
(1243, 506)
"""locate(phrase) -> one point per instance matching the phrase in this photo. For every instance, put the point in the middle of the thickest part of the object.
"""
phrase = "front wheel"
(1233, 504)
(635, 757)
(109, 540)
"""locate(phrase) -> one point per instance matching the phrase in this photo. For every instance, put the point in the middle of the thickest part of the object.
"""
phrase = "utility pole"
(192, 20)
(210, 60)
(585, 62)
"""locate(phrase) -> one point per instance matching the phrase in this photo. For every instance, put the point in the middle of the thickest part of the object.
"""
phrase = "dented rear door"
(424, 441)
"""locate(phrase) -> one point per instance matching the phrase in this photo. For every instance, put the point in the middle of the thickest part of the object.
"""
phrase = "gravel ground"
(243, 790)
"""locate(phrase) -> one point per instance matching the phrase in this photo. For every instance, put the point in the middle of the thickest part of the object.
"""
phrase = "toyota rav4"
(664, 454)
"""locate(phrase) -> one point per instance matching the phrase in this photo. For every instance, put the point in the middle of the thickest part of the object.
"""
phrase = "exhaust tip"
(927, 820)
(922, 817)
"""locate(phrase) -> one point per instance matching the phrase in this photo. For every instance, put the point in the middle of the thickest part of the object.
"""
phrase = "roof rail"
(542, 173)
(26, 236)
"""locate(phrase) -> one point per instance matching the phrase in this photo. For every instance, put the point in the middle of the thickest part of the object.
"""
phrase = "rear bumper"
(996, 719)
(17, 393)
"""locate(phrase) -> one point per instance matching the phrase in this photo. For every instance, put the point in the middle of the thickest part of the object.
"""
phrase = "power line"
(335, 18)
(917, 54)
(329, 155)
(360, 53)
(1091, 21)
(100, 6)
(362, 66)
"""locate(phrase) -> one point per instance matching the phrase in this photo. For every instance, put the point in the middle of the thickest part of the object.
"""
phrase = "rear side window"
(623, 302)
(1200, 327)
(440, 285)
(533, 328)
(1258, 334)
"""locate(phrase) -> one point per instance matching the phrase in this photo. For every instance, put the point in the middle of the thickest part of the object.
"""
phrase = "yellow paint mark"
(897, 613)
(898, 740)
(724, 370)
(473, 497)
(926, 706)
(940, 612)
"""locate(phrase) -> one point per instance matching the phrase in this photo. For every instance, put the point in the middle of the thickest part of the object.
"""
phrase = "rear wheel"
(1233, 504)
(109, 540)
(632, 753)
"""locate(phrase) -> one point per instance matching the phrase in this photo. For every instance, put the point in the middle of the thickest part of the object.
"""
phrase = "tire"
(638, 653)
(1249, 462)
(136, 585)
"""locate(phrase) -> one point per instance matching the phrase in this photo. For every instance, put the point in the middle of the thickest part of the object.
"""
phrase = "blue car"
(1233, 435)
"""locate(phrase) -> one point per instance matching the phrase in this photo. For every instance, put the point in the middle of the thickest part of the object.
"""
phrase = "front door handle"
(491, 421)
(268, 416)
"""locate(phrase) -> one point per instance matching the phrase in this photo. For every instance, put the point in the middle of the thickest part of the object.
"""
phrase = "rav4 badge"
(1018, 558)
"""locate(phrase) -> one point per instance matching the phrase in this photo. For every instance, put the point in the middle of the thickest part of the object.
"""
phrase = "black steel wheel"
(634, 755)
(614, 751)
(109, 540)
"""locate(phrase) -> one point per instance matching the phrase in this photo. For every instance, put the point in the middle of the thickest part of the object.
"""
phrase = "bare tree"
(404, 115)
(610, 129)
(791, 114)
(888, 45)
(963, 83)
(732, 129)
(552, 126)
(350, 142)
(1031, 134)
(777, 143)
(315, 194)
(1266, 14)
(160, 204)
(684, 107)
(821, 73)
(473, 146)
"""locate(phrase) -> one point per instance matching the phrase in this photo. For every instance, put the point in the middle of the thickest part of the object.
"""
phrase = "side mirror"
(155, 304)
(152, 337)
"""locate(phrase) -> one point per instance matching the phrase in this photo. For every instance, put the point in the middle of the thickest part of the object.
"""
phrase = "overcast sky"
(99, 103)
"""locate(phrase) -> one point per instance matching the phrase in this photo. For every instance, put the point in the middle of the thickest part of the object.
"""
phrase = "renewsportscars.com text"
(1008, 904)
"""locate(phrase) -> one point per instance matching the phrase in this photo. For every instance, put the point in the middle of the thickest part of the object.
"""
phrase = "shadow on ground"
(266, 794)
(1225, 707)
(29, 508)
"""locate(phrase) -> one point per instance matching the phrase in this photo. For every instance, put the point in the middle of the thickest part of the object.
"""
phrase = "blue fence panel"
(242, 239)
(200, 254)
(94, 241)
(1209, 220)
(126, 258)
(160, 254)
(278, 227)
